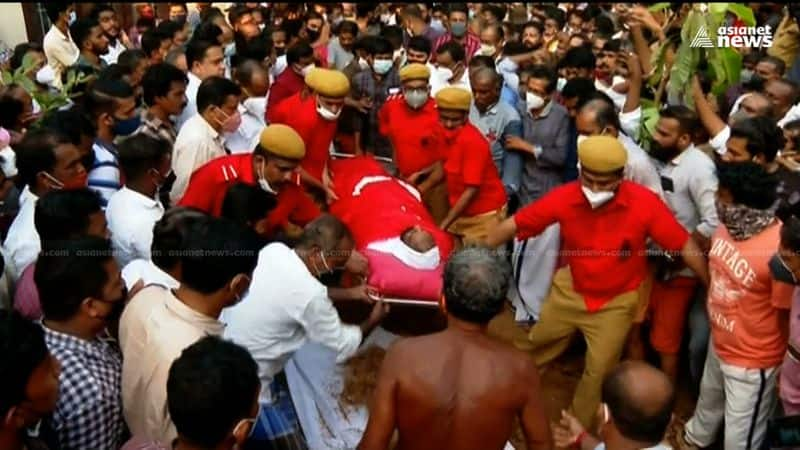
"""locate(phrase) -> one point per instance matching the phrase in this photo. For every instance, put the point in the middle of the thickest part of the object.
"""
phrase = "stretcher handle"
(348, 155)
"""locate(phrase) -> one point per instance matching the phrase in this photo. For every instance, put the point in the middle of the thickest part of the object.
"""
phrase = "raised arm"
(710, 120)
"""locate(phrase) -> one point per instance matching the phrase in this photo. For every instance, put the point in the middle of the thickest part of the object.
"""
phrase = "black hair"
(498, 11)
(11, 107)
(236, 12)
(216, 251)
(131, 58)
(297, 51)
(635, 420)
(246, 204)
(115, 72)
(54, 9)
(146, 22)
(394, 35)
(578, 87)
(99, 9)
(541, 72)
(72, 271)
(196, 51)
(64, 214)
(182, 5)
(140, 153)
(255, 49)
(211, 386)
(780, 65)
(457, 7)
(604, 25)
(420, 44)
(348, 27)
(532, 24)
(72, 122)
(482, 61)
(612, 45)
(169, 235)
(364, 9)
(790, 232)
(151, 41)
(104, 94)
(82, 29)
(454, 49)
(554, 13)
(579, 58)
(158, 79)
(169, 28)
(512, 48)
(207, 31)
(214, 91)
(36, 153)
(687, 118)
(749, 183)
(762, 134)
(15, 62)
(210, 14)
(476, 281)
(23, 347)
(380, 45)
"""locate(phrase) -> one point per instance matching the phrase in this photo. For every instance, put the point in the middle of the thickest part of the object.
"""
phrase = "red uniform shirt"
(210, 183)
(469, 163)
(316, 132)
(286, 84)
(380, 210)
(604, 247)
(412, 133)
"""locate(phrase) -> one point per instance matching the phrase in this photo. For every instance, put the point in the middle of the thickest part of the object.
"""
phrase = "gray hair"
(487, 74)
(325, 232)
(476, 281)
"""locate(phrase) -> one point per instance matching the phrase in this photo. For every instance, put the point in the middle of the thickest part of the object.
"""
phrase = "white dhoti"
(534, 263)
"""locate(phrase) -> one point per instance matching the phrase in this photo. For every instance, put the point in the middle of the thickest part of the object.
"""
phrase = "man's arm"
(693, 257)
(502, 233)
(703, 190)
(436, 171)
(533, 419)
(466, 198)
(710, 120)
(553, 154)
(382, 415)
(635, 85)
(512, 161)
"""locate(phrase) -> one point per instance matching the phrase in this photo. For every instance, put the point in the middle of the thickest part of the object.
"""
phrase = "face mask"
(313, 35)
(324, 263)
(597, 199)
(560, 84)
(231, 122)
(180, 19)
(487, 50)
(280, 51)
(327, 114)
(437, 25)
(386, 17)
(363, 64)
(230, 49)
(78, 182)
(458, 29)
(73, 16)
(533, 101)
(382, 66)
(126, 127)
(581, 138)
(415, 99)
(444, 73)
(399, 55)
(262, 181)
(780, 270)
(306, 70)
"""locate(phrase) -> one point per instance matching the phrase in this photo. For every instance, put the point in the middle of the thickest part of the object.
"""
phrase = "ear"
(239, 284)
(12, 419)
(88, 306)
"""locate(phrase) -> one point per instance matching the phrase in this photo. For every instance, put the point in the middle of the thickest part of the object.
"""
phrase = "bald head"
(640, 399)
(597, 117)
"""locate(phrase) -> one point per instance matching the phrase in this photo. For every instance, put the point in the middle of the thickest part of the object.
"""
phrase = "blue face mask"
(458, 29)
(230, 49)
(73, 16)
(126, 127)
(780, 270)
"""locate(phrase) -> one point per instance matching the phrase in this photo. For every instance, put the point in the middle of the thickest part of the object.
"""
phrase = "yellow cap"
(453, 98)
(415, 72)
(281, 140)
(602, 154)
(330, 83)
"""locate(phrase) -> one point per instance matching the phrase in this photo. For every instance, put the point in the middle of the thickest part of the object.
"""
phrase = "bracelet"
(579, 439)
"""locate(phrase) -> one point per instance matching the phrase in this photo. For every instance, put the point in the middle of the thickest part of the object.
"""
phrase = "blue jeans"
(699, 332)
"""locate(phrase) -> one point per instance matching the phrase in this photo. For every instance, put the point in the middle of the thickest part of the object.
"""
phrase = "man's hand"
(123, 37)
(697, 89)
(327, 184)
(412, 180)
(379, 312)
(357, 264)
(567, 431)
(518, 144)
(364, 293)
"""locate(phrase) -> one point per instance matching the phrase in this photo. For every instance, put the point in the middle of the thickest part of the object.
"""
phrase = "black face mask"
(313, 35)
(88, 161)
(280, 51)
(780, 272)
(180, 20)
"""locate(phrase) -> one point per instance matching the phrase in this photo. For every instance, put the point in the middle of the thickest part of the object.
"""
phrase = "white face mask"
(444, 73)
(399, 56)
(437, 25)
(382, 66)
(581, 138)
(487, 50)
(533, 101)
(306, 70)
(73, 16)
(561, 83)
(597, 199)
(326, 114)
(416, 98)
(363, 64)
(262, 181)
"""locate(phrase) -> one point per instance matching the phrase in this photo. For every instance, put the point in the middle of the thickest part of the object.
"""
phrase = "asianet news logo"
(739, 36)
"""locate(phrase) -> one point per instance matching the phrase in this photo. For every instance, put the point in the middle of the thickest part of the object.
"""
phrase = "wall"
(12, 24)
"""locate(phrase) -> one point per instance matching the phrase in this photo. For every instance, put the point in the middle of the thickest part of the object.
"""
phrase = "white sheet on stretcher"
(316, 382)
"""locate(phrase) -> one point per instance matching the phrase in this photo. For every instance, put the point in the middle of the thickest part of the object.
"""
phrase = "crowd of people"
(169, 241)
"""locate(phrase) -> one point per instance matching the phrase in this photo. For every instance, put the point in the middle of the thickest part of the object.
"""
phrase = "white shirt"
(245, 138)
(279, 66)
(22, 245)
(191, 100)
(616, 97)
(631, 121)
(61, 52)
(113, 52)
(104, 176)
(286, 306)
(149, 273)
(720, 141)
(437, 83)
(131, 217)
(792, 115)
(640, 168)
(197, 143)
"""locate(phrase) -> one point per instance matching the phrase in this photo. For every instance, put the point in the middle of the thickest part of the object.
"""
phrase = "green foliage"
(656, 7)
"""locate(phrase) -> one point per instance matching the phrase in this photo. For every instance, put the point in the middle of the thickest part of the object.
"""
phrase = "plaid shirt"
(156, 128)
(88, 415)
(365, 85)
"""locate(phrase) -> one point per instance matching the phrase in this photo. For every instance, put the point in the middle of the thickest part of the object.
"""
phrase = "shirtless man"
(459, 389)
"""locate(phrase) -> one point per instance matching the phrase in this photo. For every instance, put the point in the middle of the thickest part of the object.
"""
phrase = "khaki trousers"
(475, 229)
(563, 313)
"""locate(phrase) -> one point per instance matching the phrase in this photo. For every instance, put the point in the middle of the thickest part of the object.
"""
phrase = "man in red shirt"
(272, 166)
(410, 122)
(299, 61)
(605, 222)
(476, 193)
(313, 113)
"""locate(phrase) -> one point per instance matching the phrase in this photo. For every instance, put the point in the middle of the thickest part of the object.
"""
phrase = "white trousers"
(534, 262)
(744, 398)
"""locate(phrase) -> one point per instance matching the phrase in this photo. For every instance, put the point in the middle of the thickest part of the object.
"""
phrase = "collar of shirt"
(193, 79)
(676, 161)
(95, 347)
(106, 145)
(491, 111)
(66, 37)
(208, 128)
(254, 106)
(187, 314)
(140, 199)
(547, 108)
(26, 195)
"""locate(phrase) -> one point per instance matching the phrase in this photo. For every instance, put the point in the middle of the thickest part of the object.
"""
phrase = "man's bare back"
(456, 390)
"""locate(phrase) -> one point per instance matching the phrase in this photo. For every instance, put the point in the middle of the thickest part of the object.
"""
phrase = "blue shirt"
(496, 124)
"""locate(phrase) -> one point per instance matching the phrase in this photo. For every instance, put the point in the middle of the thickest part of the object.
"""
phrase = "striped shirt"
(471, 44)
(105, 175)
